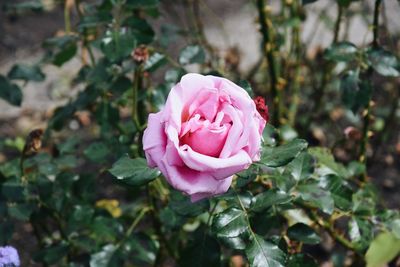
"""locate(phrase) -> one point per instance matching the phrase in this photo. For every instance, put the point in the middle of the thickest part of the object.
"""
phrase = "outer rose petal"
(154, 140)
(190, 181)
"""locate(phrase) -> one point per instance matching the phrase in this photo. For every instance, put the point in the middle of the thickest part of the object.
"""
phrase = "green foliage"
(133, 171)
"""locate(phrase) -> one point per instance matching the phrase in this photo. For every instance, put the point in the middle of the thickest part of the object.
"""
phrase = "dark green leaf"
(360, 232)
(192, 54)
(301, 260)
(305, 2)
(10, 92)
(261, 253)
(20, 211)
(301, 167)
(317, 196)
(141, 30)
(325, 158)
(67, 53)
(142, 3)
(230, 224)
(384, 62)
(303, 233)
(53, 254)
(6, 231)
(355, 93)
(27, 73)
(12, 190)
(182, 205)
(343, 51)
(340, 191)
(202, 251)
(282, 155)
(96, 152)
(247, 87)
(268, 199)
(104, 257)
(117, 45)
(141, 249)
(133, 171)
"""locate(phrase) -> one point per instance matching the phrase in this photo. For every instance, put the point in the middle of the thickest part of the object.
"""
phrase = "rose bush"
(208, 130)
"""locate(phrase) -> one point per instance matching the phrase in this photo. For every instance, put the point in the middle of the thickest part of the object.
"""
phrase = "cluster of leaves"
(85, 211)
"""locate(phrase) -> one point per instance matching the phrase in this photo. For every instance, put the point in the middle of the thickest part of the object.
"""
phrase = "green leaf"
(142, 3)
(343, 51)
(301, 167)
(192, 54)
(268, 199)
(229, 226)
(10, 92)
(282, 155)
(20, 211)
(261, 253)
(12, 190)
(182, 205)
(64, 48)
(360, 232)
(104, 257)
(97, 152)
(6, 231)
(340, 191)
(301, 260)
(117, 45)
(305, 2)
(143, 247)
(155, 61)
(384, 62)
(303, 233)
(27, 73)
(141, 29)
(382, 250)
(247, 87)
(204, 250)
(325, 159)
(317, 196)
(133, 171)
(53, 254)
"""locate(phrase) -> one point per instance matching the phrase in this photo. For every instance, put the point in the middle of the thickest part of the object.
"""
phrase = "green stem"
(67, 18)
(296, 77)
(326, 226)
(375, 26)
(269, 55)
(136, 85)
(337, 24)
(133, 225)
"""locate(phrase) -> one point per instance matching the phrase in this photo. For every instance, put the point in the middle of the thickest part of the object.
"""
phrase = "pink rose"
(208, 130)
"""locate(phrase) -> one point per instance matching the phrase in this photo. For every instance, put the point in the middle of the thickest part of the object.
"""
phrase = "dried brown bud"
(140, 54)
(352, 133)
(232, 57)
(33, 142)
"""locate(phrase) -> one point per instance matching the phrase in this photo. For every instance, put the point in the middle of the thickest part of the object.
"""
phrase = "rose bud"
(208, 130)
(140, 54)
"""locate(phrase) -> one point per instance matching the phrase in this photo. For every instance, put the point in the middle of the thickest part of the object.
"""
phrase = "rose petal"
(154, 140)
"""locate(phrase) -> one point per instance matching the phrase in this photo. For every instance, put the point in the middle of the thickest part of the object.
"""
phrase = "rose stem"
(367, 111)
(268, 49)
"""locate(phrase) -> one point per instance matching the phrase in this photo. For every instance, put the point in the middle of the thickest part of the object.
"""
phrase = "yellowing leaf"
(382, 250)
